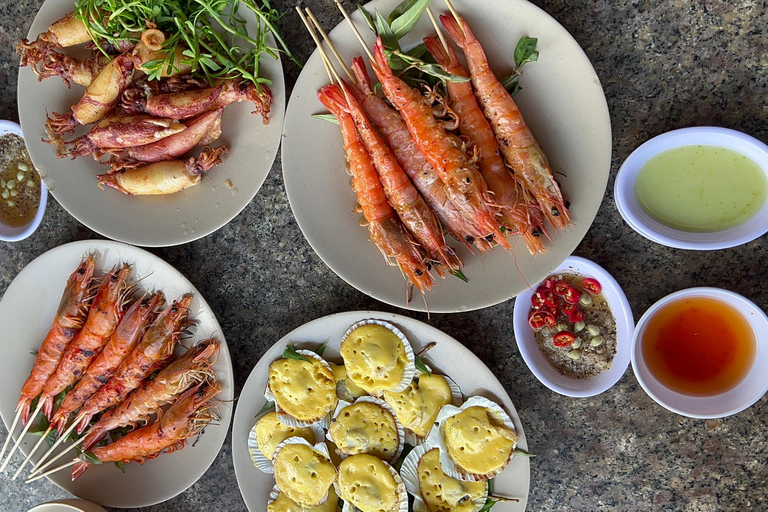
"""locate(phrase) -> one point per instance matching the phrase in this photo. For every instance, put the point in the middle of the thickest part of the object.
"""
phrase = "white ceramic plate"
(625, 325)
(26, 312)
(635, 216)
(160, 220)
(564, 105)
(449, 357)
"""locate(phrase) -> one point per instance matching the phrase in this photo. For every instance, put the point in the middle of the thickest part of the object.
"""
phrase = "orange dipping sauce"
(699, 346)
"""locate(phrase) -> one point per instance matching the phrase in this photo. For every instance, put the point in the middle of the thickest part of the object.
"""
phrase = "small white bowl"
(70, 505)
(540, 365)
(749, 391)
(641, 222)
(9, 234)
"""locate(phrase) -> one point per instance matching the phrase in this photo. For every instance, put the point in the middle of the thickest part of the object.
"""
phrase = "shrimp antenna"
(354, 29)
(331, 46)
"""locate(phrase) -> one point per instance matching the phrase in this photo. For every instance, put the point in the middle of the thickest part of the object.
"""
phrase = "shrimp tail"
(79, 468)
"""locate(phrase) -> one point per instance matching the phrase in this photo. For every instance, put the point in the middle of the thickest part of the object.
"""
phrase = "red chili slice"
(548, 283)
(560, 288)
(537, 301)
(563, 339)
(569, 308)
(549, 320)
(572, 296)
(592, 286)
(576, 316)
(543, 297)
(539, 319)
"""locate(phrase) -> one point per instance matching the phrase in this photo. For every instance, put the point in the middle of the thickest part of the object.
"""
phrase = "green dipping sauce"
(701, 188)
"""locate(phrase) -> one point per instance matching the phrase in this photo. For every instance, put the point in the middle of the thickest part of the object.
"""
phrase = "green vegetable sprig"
(525, 52)
(211, 33)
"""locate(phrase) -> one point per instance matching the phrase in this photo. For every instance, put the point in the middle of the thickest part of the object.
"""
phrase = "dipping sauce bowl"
(701, 188)
(702, 352)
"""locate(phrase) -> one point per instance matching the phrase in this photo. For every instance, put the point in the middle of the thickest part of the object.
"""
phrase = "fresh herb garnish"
(423, 368)
(489, 503)
(290, 353)
(525, 52)
(319, 350)
(459, 274)
(269, 406)
(89, 457)
(523, 453)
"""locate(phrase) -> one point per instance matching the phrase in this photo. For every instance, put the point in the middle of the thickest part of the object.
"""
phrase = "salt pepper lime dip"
(19, 183)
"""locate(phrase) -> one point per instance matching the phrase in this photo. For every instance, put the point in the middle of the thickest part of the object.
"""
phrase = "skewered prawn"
(443, 150)
(184, 419)
(154, 350)
(516, 214)
(120, 344)
(402, 195)
(383, 225)
(103, 317)
(520, 149)
(421, 172)
(189, 369)
(72, 312)
(164, 177)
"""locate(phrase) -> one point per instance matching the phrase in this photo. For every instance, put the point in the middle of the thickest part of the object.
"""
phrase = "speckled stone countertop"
(664, 64)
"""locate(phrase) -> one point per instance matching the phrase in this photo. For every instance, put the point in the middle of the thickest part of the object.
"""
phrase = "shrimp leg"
(383, 225)
(442, 149)
(507, 194)
(520, 149)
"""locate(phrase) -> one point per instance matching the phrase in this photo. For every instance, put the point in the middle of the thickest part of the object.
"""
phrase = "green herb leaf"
(34, 353)
(400, 9)
(525, 51)
(459, 274)
(423, 368)
(434, 70)
(386, 34)
(89, 457)
(290, 353)
(269, 406)
(120, 465)
(523, 453)
(326, 117)
(319, 350)
(488, 505)
(418, 51)
(368, 18)
(491, 484)
(405, 22)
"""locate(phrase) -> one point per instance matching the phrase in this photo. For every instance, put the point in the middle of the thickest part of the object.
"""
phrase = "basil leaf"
(488, 505)
(326, 117)
(269, 406)
(418, 51)
(459, 274)
(525, 51)
(319, 350)
(120, 465)
(368, 18)
(290, 353)
(405, 22)
(386, 34)
(400, 9)
(523, 453)
(89, 457)
(423, 368)
(34, 353)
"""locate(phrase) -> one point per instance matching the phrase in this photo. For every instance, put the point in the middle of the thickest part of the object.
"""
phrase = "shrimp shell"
(69, 318)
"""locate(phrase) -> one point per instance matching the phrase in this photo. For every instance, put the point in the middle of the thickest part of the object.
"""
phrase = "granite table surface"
(664, 64)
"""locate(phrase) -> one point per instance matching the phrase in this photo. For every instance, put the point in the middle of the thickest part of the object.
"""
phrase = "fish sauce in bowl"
(19, 183)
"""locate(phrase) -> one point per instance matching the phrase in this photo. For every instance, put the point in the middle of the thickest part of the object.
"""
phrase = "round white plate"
(26, 312)
(160, 220)
(563, 104)
(449, 357)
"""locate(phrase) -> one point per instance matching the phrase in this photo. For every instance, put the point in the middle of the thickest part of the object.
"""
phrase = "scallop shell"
(384, 405)
(410, 368)
(318, 447)
(264, 463)
(402, 494)
(457, 398)
(290, 420)
(436, 437)
(409, 473)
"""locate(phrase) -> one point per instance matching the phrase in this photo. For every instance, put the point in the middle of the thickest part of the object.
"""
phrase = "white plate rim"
(251, 397)
(63, 260)
(302, 177)
(151, 221)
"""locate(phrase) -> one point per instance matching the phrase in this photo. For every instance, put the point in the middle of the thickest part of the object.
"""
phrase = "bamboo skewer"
(312, 33)
(10, 432)
(21, 436)
(354, 29)
(57, 443)
(29, 457)
(332, 47)
(437, 28)
(38, 477)
(36, 470)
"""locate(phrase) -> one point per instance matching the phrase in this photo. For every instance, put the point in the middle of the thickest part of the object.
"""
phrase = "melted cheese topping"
(365, 482)
(442, 493)
(374, 357)
(306, 391)
(270, 432)
(303, 474)
(477, 443)
(284, 504)
(352, 389)
(365, 427)
(418, 405)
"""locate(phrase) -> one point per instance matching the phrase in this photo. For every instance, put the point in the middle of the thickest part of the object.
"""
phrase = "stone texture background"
(664, 64)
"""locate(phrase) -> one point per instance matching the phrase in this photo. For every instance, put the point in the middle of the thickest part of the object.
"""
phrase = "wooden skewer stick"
(57, 443)
(437, 29)
(312, 33)
(453, 11)
(36, 470)
(10, 432)
(29, 457)
(354, 29)
(332, 47)
(21, 436)
(38, 477)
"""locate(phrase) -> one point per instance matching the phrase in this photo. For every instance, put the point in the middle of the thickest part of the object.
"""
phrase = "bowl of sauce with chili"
(701, 352)
(701, 188)
(23, 195)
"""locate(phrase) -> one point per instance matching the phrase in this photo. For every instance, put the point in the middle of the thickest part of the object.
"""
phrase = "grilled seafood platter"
(355, 457)
(124, 370)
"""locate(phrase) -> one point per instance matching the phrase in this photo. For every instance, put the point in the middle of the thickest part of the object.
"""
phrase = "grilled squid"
(71, 69)
(163, 178)
(68, 31)
(124, 132)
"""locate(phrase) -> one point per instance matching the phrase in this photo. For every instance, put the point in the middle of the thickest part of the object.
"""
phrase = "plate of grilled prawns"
(148, 130)
(477, 138)
(118, 379)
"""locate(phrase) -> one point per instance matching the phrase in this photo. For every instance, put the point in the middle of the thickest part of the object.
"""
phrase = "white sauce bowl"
(10, 234)
(746, 393)
(651, 229)
(539, 364)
